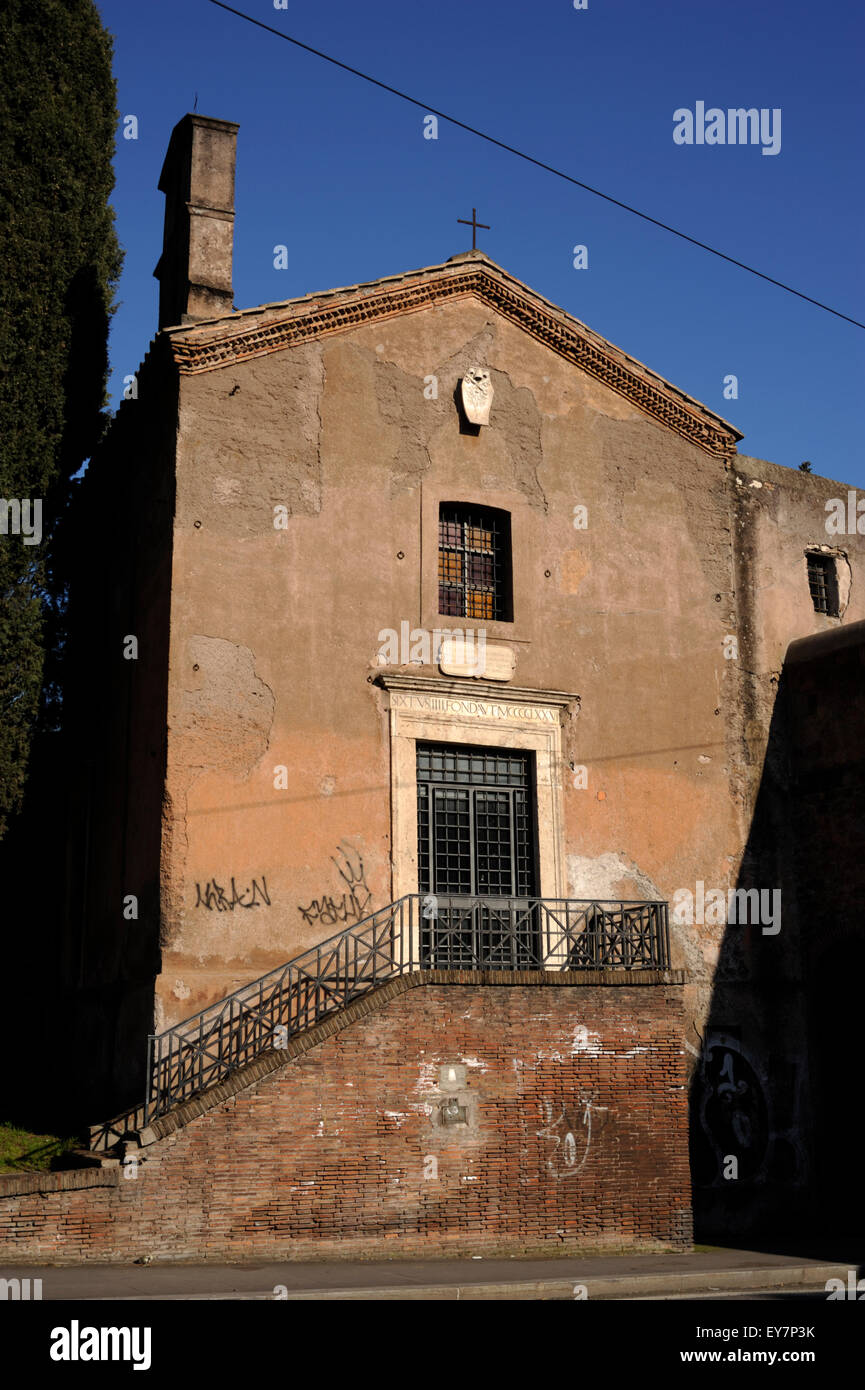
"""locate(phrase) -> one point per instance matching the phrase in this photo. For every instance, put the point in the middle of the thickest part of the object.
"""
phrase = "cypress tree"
(59, 263)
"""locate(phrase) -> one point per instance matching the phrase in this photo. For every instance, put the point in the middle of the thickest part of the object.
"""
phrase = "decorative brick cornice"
(255, 333)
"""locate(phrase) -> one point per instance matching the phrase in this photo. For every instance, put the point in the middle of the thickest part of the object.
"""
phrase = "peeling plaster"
(415, 420)
(427, 1079)
(587, 1043)
(223, 724)
(236, 453)
(227, 710)
(600, 877)
(518, 418)
(403, 406)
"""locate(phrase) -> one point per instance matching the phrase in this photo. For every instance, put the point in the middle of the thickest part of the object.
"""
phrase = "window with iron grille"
(475, 562)
(477, 857)
(823, 583)
(476, 830)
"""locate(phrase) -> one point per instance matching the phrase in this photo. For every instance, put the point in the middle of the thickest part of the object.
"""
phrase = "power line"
(530, 159)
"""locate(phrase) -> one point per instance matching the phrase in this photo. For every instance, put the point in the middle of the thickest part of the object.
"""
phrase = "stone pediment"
(233, 338)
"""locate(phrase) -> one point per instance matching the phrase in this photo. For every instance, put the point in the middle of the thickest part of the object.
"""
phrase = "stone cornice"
(469, 687)
(222, 342)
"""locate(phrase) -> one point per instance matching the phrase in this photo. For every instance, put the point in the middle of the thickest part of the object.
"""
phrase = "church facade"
(433, 596)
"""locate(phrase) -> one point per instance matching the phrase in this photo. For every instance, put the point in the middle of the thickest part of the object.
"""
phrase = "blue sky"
(339, 172)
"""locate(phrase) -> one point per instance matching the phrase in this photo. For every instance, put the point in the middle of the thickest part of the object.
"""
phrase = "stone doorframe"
(425, 709)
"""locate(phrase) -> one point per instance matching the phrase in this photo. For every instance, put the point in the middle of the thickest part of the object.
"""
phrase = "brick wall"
(572, 1134)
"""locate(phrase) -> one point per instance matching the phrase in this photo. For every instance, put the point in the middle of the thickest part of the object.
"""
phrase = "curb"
(607, 1287)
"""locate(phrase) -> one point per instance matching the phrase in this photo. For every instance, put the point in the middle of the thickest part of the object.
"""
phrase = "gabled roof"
(214, 343)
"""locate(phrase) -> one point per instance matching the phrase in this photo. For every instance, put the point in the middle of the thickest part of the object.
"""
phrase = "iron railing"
(414, 933)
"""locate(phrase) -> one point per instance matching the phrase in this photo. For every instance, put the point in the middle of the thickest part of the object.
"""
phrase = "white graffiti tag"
(571, 1136)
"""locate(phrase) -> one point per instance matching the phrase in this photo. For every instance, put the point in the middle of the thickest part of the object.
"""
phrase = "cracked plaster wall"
(629, 613)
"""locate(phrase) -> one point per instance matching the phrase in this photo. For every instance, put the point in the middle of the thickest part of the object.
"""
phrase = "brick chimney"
(194, 270)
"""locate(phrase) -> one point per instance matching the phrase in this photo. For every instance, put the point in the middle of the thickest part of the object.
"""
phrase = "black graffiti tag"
(354, 900)
(214, 896)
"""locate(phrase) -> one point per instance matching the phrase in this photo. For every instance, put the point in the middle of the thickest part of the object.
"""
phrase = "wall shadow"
(82, 861)
(774, 1116)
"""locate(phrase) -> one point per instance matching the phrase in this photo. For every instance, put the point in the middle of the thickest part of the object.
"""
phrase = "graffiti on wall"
(216, 897)
(737, 1119)
(352, 903)
(569, 1135)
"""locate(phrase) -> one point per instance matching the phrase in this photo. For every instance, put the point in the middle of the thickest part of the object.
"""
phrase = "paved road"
(710, 1274)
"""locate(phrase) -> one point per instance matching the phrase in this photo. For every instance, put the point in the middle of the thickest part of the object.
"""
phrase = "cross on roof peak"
(474, 224)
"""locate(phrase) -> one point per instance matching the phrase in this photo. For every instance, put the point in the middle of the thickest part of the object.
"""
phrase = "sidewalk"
(603, 1277)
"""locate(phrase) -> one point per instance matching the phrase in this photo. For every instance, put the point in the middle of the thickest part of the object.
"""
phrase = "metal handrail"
(416, 932)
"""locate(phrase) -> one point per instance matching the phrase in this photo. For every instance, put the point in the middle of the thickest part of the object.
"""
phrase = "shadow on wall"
(70, 1049)
(774, 1118)
(80, 865)
(31, 856)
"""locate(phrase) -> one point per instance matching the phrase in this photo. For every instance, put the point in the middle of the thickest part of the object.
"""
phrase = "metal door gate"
(477, 859)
